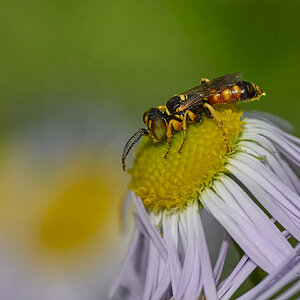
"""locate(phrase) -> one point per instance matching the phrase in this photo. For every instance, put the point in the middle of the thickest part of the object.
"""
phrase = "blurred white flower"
(60, 194)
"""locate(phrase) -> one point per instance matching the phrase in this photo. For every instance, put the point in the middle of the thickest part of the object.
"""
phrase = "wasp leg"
(192, 116)
(219, 121)
(177, 126)
(184, 126)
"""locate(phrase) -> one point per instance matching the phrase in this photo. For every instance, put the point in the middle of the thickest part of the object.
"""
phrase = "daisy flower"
(59, 194)
(253, 192)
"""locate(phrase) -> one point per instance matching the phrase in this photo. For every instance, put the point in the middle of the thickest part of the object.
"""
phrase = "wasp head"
(156, 123)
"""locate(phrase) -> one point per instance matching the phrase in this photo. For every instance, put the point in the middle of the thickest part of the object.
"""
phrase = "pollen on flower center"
(170, 183)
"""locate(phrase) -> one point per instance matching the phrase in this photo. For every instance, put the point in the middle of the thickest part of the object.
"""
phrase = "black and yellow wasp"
(191, 106)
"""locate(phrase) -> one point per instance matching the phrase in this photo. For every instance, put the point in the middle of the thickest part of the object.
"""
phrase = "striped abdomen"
(242, 91)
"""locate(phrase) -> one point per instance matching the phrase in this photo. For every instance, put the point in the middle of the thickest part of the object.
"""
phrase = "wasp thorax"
(173, 103)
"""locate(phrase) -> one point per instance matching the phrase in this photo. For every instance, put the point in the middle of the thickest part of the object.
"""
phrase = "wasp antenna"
(133, 140)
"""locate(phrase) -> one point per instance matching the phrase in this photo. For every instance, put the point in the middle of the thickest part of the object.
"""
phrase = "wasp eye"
(159, 129)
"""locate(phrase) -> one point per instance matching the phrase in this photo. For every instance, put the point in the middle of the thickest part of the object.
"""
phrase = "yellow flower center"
(170, 183)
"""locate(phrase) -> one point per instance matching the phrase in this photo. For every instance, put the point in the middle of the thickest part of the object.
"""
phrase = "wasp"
(191, 106)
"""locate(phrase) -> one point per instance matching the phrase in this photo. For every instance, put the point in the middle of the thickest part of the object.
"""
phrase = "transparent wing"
(209, 88)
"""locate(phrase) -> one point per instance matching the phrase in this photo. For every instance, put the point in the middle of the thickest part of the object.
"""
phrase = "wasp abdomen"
(229, 95)
(242, 91)
(248, 90)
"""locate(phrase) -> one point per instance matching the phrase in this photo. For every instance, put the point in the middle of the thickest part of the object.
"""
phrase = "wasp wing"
(223, 81)
(196, 90)
(209, 88)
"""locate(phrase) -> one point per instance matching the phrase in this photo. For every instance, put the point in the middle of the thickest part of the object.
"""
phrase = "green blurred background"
(136, 54)
(75, 79)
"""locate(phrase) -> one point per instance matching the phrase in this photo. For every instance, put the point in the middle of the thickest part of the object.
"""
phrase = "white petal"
(221, 257)
(290, 292)
(292, 176)
(208, 277)
(164, 284)
(243, 232)
(240, 277)
(126, 264)
(271, 159)
(189, 281)
(264, 117)
(267, 180)
(152, 272)
(170, 235)
(277, 211)
(286, 146)
(257, 216)
(285, 273)
(265, 125)
(153, 233)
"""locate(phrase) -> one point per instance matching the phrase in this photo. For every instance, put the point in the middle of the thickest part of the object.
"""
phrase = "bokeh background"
(75, 79)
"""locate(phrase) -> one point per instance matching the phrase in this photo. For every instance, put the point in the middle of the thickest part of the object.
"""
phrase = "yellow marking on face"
(146, 120)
